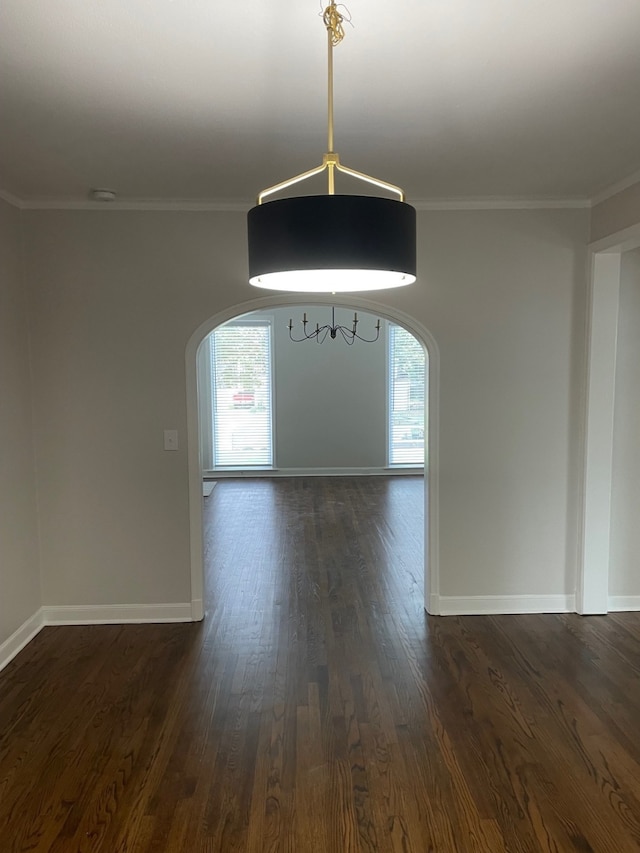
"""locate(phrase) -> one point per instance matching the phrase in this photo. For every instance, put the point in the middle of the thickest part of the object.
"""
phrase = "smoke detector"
(102, 195)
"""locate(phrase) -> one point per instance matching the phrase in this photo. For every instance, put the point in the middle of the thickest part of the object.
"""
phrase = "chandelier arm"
(319, 334)
(347, 335)
(367, 340)
(377, 182)
(290, 182)
(309, 337)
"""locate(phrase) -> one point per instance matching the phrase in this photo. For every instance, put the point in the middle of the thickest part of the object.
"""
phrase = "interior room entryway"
(399, 433)
(278, 399)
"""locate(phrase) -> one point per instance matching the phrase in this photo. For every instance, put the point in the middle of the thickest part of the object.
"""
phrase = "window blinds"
(242, 395)
(406, 398)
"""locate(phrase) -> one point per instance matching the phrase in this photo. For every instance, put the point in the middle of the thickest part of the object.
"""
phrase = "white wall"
(116, 296)
(507, 308)
(624, 567)
(19, 579)
(330, 400)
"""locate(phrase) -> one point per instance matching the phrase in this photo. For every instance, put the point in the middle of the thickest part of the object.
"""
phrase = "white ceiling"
(203, 100)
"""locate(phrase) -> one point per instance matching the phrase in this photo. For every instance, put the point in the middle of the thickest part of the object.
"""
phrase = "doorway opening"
(429, 405)
(598, 486)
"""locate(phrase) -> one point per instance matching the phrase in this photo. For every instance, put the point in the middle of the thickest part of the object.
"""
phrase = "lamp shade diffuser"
(332, 243)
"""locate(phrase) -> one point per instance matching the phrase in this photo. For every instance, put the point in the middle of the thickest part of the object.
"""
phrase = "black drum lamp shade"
(332, 243)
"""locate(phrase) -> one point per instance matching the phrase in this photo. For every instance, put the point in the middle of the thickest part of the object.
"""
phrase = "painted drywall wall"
(624, 567)
(615, 214)
(19, 575)
(329, 400)
(116, 296)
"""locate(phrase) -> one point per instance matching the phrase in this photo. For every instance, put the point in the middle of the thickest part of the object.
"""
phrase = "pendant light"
(332, 243)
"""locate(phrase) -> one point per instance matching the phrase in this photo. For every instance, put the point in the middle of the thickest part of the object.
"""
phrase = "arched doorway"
(431, 566)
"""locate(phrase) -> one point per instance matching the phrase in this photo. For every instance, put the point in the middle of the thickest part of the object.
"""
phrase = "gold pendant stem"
(330, 94)
(331, 162)
(330, 170)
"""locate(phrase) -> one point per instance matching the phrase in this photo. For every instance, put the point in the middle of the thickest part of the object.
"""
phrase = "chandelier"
(332, 330)
(332, 243)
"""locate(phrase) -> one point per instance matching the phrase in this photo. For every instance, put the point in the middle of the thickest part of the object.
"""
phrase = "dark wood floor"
(318, 708)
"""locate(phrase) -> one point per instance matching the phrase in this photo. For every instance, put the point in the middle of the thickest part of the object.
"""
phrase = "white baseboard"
(311, 472)
(624, 602)
(432, 605)
(197, 610)
(476, 605)
(114, 614)
(109, 614)
(19, 639)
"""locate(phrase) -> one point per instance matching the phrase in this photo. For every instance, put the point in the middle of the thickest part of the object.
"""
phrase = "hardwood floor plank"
(318, 709)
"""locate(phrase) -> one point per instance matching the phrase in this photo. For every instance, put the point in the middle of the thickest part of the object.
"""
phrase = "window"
(406, 398)
(241, 395)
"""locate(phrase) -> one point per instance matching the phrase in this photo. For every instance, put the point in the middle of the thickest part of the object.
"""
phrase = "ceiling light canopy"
(332, 243)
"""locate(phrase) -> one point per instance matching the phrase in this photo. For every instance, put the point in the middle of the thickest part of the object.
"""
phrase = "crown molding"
(221, 205)
(614, 189)
(240, 206)
(243, 205)
(501, 204)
